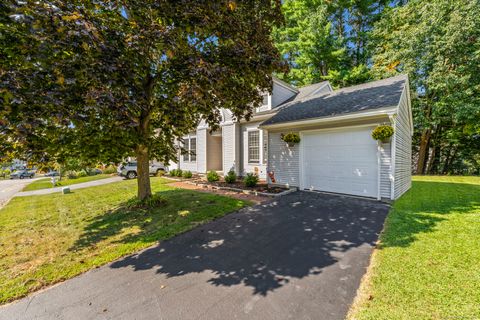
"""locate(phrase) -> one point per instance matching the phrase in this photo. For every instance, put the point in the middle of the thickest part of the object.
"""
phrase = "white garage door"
(341, 162)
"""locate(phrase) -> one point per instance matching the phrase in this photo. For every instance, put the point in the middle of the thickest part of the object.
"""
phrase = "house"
(336, 152)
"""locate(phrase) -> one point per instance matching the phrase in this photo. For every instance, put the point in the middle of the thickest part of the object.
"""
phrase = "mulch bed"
(260, 187)
(202, 188)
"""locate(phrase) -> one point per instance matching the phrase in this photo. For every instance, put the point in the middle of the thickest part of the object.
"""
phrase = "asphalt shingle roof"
(369, 96)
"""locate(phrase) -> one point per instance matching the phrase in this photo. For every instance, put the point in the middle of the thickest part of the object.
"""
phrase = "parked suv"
(129, 169)
(22, 174)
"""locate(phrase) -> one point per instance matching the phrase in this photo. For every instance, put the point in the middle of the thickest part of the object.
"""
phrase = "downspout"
(379, 170)
(392, 148)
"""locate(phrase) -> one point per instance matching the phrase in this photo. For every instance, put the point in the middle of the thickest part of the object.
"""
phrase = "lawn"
(49, 238)
(47, 182)
(427, 265)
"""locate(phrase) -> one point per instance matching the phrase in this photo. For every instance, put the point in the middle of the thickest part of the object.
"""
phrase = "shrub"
(231, 177)
(7, 172)
(382, 133)
(110, 169)
(179, 173)
(71, 174)
(81, 174)
(155, 200)
(250, 180)
(160, 173)
(212, 176)
(187, 174)
(291, 137)
(172, 173)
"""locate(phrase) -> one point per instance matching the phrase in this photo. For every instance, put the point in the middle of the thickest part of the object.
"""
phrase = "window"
(265, 99)
(254, 146)
(190, 154)
(193, 149)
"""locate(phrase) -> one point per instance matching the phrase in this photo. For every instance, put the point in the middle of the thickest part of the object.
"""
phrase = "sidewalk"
(72, 187)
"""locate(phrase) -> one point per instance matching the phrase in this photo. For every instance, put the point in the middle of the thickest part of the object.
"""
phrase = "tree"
(308, 42)
(328, 40)
(106, 79)
(437, 44)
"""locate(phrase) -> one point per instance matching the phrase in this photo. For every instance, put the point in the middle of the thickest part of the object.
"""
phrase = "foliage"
(250, 180)
(437, 44)
(328, 40)
(291, 137)
(178, 173)
(81, 174)
(66, 239)
(187, 174)
(4, 173)
(382, 133)
(427, 255)
(154, 201)
(212, 176)
(77, 75)
(231, 177)
(71, 174)
(172, 173)
(110, 169)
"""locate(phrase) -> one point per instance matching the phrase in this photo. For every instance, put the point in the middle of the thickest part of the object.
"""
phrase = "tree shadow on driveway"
(265, 246)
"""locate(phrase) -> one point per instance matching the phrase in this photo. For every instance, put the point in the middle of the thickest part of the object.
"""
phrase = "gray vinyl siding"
(403, 148)
(385, 170)
(280, 94)
(202, 150)
(283, 160)
(229, 148)
(326, 88)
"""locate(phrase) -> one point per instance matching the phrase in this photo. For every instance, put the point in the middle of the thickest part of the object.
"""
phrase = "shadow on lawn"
(263, 247)
(424, 206)
(180, 210)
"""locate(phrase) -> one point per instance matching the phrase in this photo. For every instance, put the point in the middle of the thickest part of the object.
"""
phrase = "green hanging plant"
(382, 133)
(291, 138)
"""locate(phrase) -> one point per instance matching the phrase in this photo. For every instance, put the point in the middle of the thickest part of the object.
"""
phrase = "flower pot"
(385, 140)
(291, 144)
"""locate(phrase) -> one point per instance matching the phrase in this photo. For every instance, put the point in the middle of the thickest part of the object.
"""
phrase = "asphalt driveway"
(299, 257)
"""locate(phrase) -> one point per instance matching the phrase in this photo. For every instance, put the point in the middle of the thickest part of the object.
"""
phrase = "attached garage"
(336, 152)
(340, 161)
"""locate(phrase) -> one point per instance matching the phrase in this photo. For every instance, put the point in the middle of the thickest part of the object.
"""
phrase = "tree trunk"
(431, 161)
(143, 173)
(449, 160)
(423, 151)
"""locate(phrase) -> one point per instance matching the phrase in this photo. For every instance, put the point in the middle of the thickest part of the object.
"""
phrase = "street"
(8, 188)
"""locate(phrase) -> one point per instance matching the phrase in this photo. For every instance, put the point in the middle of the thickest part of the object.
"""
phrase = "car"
(129, 169)
(52, 174)
(96, 171)
(22, 174)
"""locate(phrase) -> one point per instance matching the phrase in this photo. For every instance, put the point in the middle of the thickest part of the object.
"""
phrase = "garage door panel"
(342, 162)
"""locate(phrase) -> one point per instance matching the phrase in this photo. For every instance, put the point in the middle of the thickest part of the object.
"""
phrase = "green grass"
(49, 238)
(427, 265)
(47, 182)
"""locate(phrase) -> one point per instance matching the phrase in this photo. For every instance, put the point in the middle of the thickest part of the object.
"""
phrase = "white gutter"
(350, 116)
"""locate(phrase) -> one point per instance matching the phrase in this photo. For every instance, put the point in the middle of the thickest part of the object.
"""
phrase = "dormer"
(281, 92)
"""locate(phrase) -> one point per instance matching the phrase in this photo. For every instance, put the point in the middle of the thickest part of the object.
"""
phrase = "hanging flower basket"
(382, 133)
(291, 138)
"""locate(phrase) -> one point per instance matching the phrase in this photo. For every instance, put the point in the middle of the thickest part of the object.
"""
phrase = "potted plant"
(291, 138)
(382, 133)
